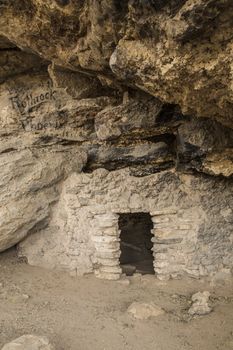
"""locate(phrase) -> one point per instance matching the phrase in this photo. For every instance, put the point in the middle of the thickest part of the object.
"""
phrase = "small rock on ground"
(200, 304)
(29, 342)
(143, 311)
(124, 282)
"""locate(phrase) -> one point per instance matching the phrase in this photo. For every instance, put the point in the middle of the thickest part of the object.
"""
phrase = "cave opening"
(136, 243)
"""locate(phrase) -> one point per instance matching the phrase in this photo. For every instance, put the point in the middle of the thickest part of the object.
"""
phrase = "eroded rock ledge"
(139, 88)
(178, 51)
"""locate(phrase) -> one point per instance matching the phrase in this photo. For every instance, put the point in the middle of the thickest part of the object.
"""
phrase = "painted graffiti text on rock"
(31, 101)
(30, 126)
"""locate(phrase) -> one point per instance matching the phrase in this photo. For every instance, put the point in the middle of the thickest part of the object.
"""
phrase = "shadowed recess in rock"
(136, 244)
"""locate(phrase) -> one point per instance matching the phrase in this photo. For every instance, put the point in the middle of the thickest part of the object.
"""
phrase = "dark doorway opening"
(135, 243)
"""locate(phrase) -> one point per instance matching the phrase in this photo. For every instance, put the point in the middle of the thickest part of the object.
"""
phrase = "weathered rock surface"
(180, 52)
(143, 311)
(47, 133)
(29, 342)
(32, 166)
(192, 223)
(142, 85)
(200, 304)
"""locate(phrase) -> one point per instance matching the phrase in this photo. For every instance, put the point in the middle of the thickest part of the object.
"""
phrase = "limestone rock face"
(178, 51)
(32, 165)
(143, 88)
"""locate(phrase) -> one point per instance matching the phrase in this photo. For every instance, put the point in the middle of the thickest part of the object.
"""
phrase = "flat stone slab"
(29, 342)
(143, 311)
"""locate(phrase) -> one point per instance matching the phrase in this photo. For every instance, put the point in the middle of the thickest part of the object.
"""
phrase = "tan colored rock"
(32, 164)
(200, 304)
(179, 52)
(29, 342)
(143, 311)
(135, 94)
(30, 185)
(219, 163)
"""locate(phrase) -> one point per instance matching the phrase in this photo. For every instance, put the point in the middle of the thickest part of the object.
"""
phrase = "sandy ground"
(90, 314)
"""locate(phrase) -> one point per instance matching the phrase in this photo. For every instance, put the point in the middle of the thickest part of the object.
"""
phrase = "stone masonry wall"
(83, 234)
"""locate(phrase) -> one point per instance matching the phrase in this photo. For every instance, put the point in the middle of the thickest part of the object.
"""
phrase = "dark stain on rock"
(25, 7)
(62, 2)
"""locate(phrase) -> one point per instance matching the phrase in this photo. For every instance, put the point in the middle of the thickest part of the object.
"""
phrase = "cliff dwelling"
(116, 186)
(89, 225)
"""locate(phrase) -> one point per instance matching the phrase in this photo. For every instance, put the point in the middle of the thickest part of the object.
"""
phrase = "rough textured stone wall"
(189, 238)
(139, 85)
(46, 134)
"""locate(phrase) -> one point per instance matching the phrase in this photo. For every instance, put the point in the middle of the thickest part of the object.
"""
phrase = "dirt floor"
(90, 314)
